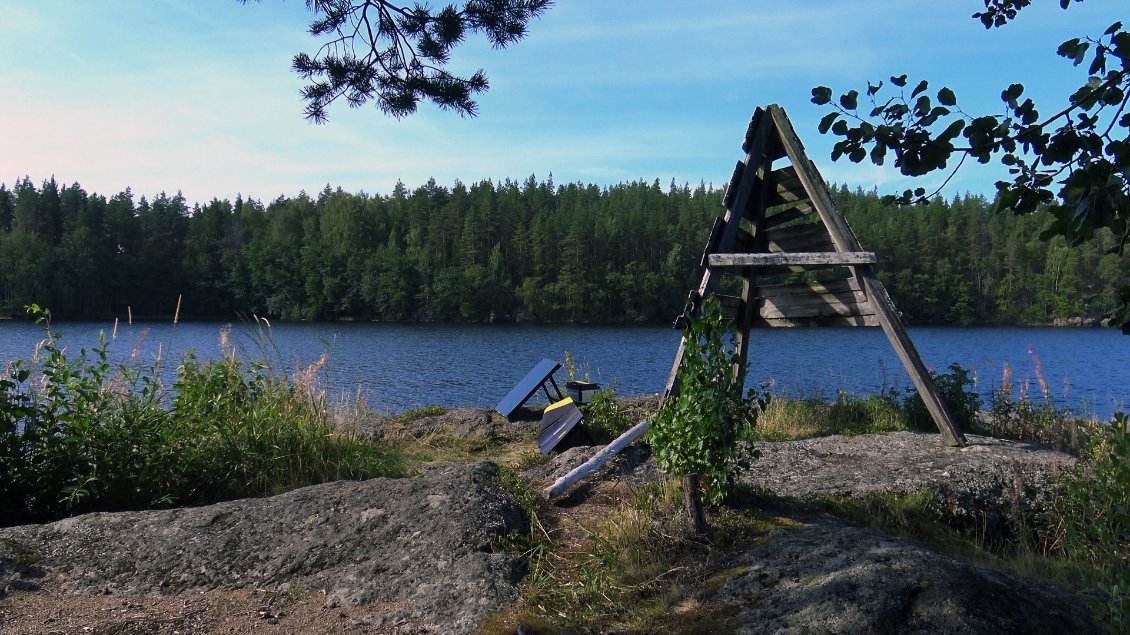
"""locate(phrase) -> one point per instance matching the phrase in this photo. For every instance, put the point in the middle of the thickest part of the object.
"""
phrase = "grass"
(79, 434)
(785, 419)
(623, 562)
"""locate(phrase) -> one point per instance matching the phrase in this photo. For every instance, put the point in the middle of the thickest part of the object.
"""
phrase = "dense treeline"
(529, 250)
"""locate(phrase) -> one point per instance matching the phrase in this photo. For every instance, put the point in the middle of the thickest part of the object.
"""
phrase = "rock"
(427, 547)
(985, 482)
(472, 423)
(827, 577)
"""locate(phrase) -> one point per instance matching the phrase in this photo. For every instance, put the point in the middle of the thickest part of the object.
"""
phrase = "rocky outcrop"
(827, 577)
(463, 423)
(985, 483)
(426, 554)
(427, 547)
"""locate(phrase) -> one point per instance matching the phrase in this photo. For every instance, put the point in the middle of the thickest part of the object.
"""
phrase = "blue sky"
(198, 96)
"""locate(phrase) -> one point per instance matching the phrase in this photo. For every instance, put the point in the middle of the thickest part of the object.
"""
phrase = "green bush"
(956, 389)
(82, 434)
(605, 418)
(697, 431)
(1029, 419)
(1095, 506)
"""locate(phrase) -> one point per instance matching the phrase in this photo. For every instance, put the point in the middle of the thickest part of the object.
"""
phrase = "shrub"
(81, 434)
(956, 389)
(697, 431)
(605, 418)
(1095, 505)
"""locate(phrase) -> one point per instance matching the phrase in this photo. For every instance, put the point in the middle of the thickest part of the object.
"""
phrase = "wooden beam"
(806, 259)
(796, 212)
(836, 320)
(835, 287)
(712, 240)
(804, 237)
(785, 187)
(846, 241)
(790, 307)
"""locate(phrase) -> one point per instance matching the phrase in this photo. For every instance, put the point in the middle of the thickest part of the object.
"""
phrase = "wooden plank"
(806, 237)
(747, 311)
(789, 307)
(884, 309)
(796, 212)
(806, 259)
(786, 186)
(846, 298)
(855, 320)
(835, 287)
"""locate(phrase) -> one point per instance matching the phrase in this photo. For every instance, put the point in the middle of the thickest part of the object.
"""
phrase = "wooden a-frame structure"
(781, 224)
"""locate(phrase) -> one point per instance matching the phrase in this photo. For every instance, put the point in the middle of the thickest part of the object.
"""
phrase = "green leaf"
(1068, 48)
(849, 100)
(1012, 93)
(1081, 53)
(946, 97)
(920, 88)
(878, 153)
(899, 81)
(821, 95)
(953, 130)
(826, 122)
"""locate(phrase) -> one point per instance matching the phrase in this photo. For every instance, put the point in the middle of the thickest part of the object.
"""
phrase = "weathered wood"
(712, 240)
(806, 259)
(805, 237)
(561, 485)
(796, 212)
(755, 145)
(786, 187)
(833, 287)
(792, 307)
(853, 320)
(734, 185)
(884, 309)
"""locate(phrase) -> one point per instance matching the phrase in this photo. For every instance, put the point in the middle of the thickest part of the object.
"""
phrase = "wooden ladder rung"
(804, 259)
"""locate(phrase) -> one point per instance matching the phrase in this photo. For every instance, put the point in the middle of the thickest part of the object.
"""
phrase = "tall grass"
(79, 433)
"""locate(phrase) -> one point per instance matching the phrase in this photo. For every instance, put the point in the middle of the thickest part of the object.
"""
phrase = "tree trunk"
(692, 501)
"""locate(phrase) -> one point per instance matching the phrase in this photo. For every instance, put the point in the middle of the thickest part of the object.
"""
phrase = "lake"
(401, 366)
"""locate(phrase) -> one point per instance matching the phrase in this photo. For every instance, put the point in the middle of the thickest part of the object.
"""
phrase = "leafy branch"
(1075, 163)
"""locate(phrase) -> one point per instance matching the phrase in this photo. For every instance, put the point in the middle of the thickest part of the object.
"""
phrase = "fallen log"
(561, 485)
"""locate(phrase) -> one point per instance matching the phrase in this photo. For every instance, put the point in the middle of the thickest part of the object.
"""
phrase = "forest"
(495, 251)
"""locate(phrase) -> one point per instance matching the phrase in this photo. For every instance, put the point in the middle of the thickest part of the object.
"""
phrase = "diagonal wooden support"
(746, 186)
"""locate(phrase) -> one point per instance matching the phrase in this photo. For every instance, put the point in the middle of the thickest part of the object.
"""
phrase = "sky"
(197, 96)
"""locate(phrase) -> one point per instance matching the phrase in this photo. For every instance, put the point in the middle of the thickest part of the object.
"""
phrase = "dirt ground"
(47, 612)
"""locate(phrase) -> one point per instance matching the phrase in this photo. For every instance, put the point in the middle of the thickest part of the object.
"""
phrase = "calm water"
(400, 366)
